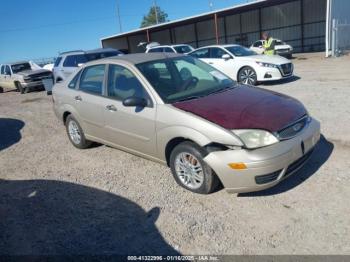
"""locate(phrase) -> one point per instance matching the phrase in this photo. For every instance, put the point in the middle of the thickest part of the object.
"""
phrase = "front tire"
(247, 76)
(75, 133)
(190, 171)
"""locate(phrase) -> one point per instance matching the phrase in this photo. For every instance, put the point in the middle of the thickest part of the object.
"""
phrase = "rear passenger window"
(58, 61)
(155, 50)
(74, 60)
(168, 50)
(92, 78)
(72, 84)
(2, 70)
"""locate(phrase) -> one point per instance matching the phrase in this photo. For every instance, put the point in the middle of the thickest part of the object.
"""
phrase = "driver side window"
(123, 84)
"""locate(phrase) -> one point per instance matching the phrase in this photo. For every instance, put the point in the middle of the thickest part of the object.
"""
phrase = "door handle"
(78, 98)
(111, 108)
(210, 63)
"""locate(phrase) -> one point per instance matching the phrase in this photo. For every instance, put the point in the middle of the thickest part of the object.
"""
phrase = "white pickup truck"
(21, 76)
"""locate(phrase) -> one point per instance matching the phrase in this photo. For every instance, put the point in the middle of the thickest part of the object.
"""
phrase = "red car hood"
(246, 108)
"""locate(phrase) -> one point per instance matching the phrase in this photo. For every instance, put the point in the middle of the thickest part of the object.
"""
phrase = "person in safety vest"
(269, 44)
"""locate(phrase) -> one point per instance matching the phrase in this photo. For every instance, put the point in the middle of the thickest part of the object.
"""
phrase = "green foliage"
(151, 19)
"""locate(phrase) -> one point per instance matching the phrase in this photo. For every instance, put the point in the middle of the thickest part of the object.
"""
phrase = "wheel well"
(171, 145)
(65, 115)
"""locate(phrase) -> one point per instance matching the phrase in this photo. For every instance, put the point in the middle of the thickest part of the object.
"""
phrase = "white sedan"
(244, 65)
(281, 48)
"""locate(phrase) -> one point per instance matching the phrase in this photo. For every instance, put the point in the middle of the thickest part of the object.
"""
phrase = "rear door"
(2, 76)
(129, 127)
(90, 102)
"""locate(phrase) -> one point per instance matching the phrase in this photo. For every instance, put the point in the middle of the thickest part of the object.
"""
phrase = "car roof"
(93, 51)
(168, 46)
(222, 46)
(15, 63)
(139, 57)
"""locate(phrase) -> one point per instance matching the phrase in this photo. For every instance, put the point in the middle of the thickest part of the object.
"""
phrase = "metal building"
(301, 23)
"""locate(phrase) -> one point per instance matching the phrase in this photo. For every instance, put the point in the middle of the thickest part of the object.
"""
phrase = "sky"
(35, 29)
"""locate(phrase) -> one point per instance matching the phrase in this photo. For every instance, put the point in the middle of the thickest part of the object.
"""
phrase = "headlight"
(267, 65)
(255, 138)
(27, 79)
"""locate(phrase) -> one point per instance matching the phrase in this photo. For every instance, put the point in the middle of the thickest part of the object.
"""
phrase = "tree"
(151, 17)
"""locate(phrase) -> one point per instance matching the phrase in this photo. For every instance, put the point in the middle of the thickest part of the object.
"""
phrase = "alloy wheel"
(248, 76)
(189, 170)
(74, 132)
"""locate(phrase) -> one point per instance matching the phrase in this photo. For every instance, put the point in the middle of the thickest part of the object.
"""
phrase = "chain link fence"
(340, 37)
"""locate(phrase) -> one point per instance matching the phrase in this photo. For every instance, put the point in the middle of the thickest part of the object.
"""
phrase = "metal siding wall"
(162, 37)
(117, 43)
(281, 15)
(206, 33)
(233, 28)
(314, 25)
(135, 40)
(185, 34)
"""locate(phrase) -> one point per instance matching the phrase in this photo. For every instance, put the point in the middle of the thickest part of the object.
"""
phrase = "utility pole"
(119, 19)
(210, 5)
(155, 10)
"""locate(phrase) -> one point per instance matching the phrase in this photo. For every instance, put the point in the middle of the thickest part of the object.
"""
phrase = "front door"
(224, 65)
(129, 127)
(90, 102)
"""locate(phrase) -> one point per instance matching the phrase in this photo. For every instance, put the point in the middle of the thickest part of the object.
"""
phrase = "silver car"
(180, 111)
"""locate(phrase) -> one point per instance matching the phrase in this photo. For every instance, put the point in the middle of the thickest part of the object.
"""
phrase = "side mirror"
(226, 57)
(135, 102)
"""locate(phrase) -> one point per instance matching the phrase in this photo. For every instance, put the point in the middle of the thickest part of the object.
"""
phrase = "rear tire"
(1, 90)
(190, 171)
(247, 76)
(76, 134)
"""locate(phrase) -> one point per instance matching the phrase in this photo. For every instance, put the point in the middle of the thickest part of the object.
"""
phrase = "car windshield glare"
(20, 67)
(240, 51)
(183, 78)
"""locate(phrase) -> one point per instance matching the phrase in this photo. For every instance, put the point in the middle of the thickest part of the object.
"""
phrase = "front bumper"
(266, 166)
(32, 84)
(271, 74)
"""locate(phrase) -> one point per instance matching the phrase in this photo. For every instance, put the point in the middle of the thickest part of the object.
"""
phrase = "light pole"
(155, 10)
(119, 19)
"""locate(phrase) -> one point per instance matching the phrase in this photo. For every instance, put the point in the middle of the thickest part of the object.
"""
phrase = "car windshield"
(184, 78)
(20, 67)
(240, 51)
(182, 49)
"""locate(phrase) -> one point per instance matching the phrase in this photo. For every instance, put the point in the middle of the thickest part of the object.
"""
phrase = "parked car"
(22, 76)
(243, 64)
(179, 111)
(180, 49)
(48, 67)
(66, 63)
(281, 48)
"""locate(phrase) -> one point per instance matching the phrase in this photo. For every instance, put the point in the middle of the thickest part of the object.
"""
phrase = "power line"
(55, 25)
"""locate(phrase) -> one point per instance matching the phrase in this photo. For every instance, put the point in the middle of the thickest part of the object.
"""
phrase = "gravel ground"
(55, 199)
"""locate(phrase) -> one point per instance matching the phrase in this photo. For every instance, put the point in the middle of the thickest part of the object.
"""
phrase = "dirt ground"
(55, 199)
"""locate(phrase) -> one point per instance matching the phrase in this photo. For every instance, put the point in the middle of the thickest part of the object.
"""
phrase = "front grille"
(286, 69)
(39, 77)
(264, 179)
(297, 164)
(293, 129)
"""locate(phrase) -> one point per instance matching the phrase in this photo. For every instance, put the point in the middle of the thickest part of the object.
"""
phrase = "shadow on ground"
(41, 217)
(281, 82)
(10, 132)
(319, 157)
